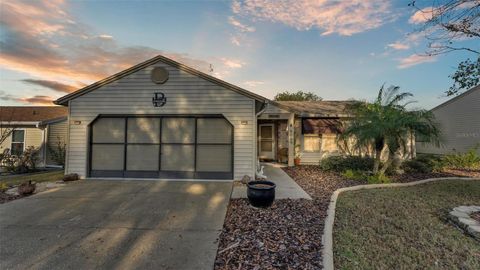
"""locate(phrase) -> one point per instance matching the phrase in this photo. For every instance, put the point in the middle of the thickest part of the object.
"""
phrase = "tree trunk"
(377, 161)
(378, 148)
(386, 164)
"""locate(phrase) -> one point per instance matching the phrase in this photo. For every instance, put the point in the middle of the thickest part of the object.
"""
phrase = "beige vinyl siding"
(7, 143)
(459, 122)
(56, 132)
(185, 93)
(33, 137)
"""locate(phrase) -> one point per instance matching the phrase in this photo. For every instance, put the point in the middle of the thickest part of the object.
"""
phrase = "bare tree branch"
(449, 22)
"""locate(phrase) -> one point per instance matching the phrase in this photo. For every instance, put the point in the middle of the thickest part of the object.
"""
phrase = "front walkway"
(95, 224)
(286, 188)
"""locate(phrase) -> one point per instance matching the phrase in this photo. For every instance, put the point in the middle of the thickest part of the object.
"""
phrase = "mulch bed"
(4, 197)
(289, 234)
(286, 236)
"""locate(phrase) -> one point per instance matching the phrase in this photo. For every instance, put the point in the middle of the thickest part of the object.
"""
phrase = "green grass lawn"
(405, 228)
(37, 177)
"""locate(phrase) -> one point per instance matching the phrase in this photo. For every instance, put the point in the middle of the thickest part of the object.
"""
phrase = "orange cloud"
(39, 100)
(240, 26)
(399, 46)
(342, 17)
(253, 84)
(53, 85)
(232, 63)
(414, 60)
(421, 16)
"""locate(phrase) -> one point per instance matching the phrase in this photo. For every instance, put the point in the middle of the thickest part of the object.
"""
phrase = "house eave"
(20, 123)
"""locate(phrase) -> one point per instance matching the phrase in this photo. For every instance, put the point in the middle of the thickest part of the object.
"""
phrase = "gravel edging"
(327, 238)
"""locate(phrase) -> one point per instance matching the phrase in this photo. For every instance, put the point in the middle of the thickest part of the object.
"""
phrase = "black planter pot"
(261, 193)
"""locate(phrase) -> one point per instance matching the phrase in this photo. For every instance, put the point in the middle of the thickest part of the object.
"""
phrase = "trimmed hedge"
(343, 163)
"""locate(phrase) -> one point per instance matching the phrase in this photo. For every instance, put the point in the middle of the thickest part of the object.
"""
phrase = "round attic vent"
(159, 75)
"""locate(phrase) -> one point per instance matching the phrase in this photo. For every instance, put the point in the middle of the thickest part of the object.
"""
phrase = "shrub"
(354, 175)
(26, 162)
(378, 179)
(469, 160)
(71, 177)
(3, 187)
(343, 163)
(416, 166)
(58, 152)
(10, 162)
(29, 158)
(423, 163)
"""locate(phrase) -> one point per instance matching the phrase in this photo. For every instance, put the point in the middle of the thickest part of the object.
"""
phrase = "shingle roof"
(320, 108)
(31, 113)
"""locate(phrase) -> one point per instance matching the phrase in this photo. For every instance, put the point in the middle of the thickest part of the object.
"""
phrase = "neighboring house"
(459, 121)
(40, 127)
(162, 119)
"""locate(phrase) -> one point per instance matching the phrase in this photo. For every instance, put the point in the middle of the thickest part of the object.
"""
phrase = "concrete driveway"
(96, 224)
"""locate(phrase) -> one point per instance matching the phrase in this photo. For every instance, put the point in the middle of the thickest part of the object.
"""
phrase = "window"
(311, 143)
(18, 142)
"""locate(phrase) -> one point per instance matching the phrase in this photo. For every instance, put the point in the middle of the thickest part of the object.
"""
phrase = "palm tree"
(386, 123)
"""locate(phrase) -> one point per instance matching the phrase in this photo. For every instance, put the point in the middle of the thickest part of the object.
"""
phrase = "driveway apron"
(102, 224)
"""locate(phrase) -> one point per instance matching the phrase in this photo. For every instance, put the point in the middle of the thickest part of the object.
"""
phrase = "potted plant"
(297, 159)
(261, 193)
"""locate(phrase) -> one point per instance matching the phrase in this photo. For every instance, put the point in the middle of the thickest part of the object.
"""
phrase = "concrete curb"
(327, 238)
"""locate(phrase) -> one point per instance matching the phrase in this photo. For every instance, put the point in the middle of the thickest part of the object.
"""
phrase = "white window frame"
(24, 139)
(312, 136)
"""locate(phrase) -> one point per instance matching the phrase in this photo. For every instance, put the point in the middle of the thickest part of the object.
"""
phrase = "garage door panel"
(178, 157)
(143, 130)
(178, 130)
(109, 130)
(213, 130)
(214, 158)
(143, 157)
(107, 157)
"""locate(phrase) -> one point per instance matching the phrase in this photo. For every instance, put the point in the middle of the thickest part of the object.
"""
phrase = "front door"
(266, 141)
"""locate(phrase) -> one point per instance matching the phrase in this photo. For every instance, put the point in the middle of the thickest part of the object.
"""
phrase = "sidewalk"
(286, 188)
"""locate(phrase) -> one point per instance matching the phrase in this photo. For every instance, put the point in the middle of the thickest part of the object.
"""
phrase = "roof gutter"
(52, 121)
(20, 123)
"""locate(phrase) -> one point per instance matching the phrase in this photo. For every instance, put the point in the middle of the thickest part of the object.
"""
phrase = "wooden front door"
(266, 141)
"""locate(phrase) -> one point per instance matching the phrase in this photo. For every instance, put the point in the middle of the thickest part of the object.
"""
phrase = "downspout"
(44, 146)
(45, 135)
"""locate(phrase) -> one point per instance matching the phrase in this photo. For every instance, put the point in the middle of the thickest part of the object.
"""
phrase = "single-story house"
(459, 122)
(41, 127)
(163, 119)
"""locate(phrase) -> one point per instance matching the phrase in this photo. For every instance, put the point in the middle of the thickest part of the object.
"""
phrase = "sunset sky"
(339, 50)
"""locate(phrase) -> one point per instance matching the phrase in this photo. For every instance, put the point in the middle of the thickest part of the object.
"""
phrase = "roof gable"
(64, 100)
(466, 93)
